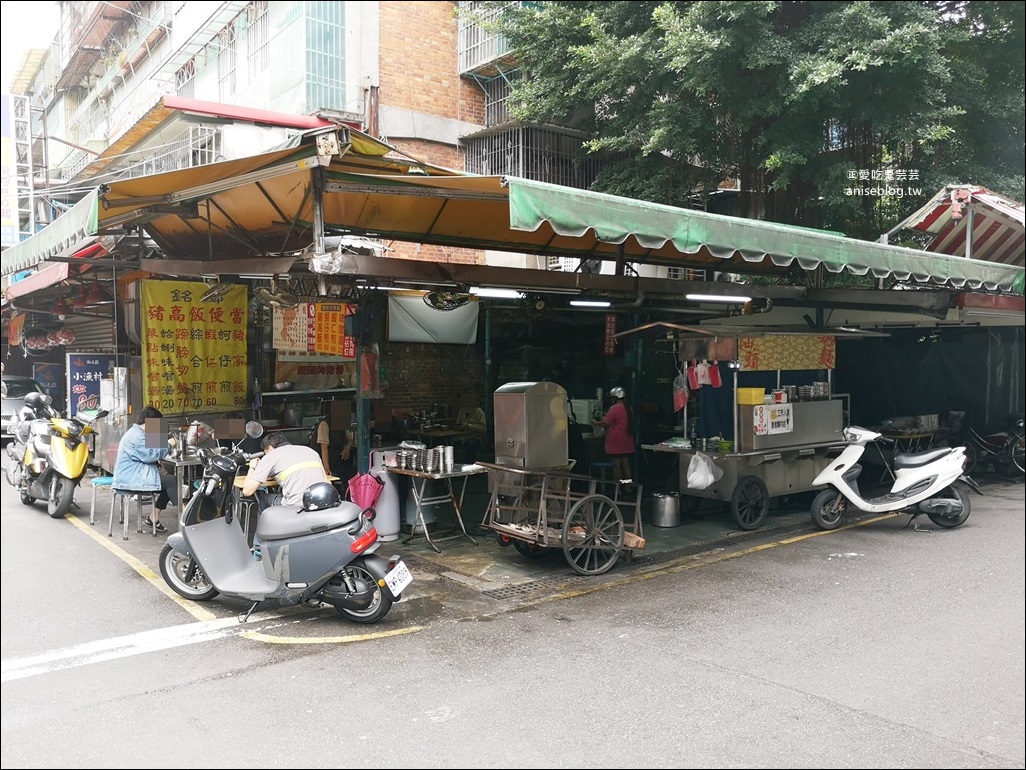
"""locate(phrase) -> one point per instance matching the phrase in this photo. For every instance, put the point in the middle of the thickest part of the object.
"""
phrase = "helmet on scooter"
(37, 400)
(320, 497)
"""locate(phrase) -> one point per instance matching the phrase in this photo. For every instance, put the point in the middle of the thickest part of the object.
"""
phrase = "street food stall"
(779, 437)
(537, 502)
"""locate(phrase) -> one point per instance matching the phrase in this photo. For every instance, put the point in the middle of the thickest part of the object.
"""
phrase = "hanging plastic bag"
(680, 392)
(693, 376)
(703, 472)
(714, 375)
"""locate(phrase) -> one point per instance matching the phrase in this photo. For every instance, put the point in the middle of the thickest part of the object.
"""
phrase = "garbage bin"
(665, 510)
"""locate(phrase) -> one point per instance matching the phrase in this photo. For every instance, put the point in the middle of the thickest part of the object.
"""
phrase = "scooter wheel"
(953, 520)
(27, 499)
(184, 575)
(827, 510)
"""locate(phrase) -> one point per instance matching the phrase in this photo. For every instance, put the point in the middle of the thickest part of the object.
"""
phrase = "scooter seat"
(919, 459)
(283, 521)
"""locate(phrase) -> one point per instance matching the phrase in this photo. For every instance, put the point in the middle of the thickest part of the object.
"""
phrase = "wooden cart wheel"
(749, 502)
(593, 535)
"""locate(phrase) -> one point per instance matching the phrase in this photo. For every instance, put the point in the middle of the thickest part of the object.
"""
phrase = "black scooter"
(322, 553)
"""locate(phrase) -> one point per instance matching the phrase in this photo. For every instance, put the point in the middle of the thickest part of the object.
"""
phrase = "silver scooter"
(323, 551)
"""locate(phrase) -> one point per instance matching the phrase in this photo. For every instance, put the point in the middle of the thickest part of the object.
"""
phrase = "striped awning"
(970, 221)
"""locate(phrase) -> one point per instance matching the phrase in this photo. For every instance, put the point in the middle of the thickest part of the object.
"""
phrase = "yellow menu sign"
(787, 352)
(194, 353)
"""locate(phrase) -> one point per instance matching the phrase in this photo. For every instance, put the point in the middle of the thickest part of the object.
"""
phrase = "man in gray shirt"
(296, 468)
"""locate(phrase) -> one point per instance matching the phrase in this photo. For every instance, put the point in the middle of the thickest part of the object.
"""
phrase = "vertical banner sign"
(85, 370)
(51, 379)
(330, 328)
(8, 177)
(194, 353)
(609, 341)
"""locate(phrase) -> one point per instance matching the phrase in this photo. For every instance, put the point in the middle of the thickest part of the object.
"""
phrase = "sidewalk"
(500, 570)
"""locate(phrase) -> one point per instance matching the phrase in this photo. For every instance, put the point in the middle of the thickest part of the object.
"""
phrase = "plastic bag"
(680, 392)
(703, 472)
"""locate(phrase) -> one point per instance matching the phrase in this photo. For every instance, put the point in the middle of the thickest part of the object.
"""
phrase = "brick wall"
(416, 375)
(419, 60)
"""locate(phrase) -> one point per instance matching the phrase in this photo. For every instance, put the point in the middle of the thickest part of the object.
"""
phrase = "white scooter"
(931, 482)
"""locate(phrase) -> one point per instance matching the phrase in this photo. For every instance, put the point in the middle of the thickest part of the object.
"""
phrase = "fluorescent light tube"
(484, 291)
(717, 298)
(589, 303)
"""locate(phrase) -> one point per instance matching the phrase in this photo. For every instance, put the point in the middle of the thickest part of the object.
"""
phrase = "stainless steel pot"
(665, 509)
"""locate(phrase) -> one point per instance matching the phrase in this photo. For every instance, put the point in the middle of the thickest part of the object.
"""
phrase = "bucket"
(665, 509)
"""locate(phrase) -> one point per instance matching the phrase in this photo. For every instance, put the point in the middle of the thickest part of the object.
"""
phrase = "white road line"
(132, 644)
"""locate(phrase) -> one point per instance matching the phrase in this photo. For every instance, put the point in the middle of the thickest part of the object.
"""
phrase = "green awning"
(62, 237)
(665, 229)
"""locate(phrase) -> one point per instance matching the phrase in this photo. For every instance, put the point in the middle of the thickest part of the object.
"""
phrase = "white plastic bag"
(703, 472)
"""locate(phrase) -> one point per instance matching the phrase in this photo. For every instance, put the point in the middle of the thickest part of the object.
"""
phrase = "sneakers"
(156, 528)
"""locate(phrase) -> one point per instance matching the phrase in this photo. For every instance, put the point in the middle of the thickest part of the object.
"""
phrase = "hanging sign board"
(85, 371)
(194, 353)
(776, 352)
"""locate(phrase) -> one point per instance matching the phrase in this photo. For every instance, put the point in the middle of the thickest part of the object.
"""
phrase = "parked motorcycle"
(931, 482)
(49, 454)
(323, 551)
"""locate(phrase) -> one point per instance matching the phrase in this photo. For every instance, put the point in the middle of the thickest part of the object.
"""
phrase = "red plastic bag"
(693, 376)
(714, 374)
(680, 392)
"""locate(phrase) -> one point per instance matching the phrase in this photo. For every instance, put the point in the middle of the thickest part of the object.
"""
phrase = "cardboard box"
(751, 396)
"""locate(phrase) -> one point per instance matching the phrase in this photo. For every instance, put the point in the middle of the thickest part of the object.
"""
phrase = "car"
(15, 388)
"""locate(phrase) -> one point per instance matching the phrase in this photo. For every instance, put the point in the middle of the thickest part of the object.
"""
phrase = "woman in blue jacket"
(137, 468)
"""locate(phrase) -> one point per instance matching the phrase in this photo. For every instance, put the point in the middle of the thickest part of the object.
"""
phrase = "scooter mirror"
(254, 429)
(101, 414)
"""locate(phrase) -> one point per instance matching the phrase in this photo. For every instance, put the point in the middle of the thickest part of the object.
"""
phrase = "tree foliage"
(788, 98)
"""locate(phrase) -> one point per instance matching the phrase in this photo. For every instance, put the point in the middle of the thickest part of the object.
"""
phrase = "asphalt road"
(872, 646)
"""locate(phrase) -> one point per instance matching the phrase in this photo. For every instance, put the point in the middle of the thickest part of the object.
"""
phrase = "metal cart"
(752, 478)
(594, 522)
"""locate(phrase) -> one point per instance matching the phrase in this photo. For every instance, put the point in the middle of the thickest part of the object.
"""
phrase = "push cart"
(752, 478)
(594, 522)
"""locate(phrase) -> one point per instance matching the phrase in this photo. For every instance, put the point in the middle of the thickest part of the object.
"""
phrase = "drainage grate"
(532, 586)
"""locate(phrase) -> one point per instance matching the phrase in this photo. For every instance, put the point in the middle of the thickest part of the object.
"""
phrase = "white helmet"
(617, 392)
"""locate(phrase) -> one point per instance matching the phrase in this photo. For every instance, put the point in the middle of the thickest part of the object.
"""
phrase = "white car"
(15, 388)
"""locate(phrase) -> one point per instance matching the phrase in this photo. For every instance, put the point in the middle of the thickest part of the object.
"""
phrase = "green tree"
(788, 98)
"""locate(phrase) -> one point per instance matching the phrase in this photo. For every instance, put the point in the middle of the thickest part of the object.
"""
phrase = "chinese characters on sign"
(773, 418)
(194, 353)
(783, 352)
(314, 327)
(609, 341)
(84, 372)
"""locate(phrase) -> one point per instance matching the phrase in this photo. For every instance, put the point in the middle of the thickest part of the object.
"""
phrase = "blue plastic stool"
(604, 467)
(99, 481)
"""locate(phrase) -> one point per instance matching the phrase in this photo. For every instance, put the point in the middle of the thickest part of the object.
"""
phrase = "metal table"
(182, 474)
(418, 482)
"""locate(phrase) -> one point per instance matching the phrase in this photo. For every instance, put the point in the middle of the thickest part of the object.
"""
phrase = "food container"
(665, 509)
(751, 396)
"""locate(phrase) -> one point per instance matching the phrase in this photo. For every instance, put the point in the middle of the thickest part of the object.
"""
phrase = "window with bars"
(531, 152)
(496, 92)
(259, 39)
(226, 61)
(185, 80)
(325, 56)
